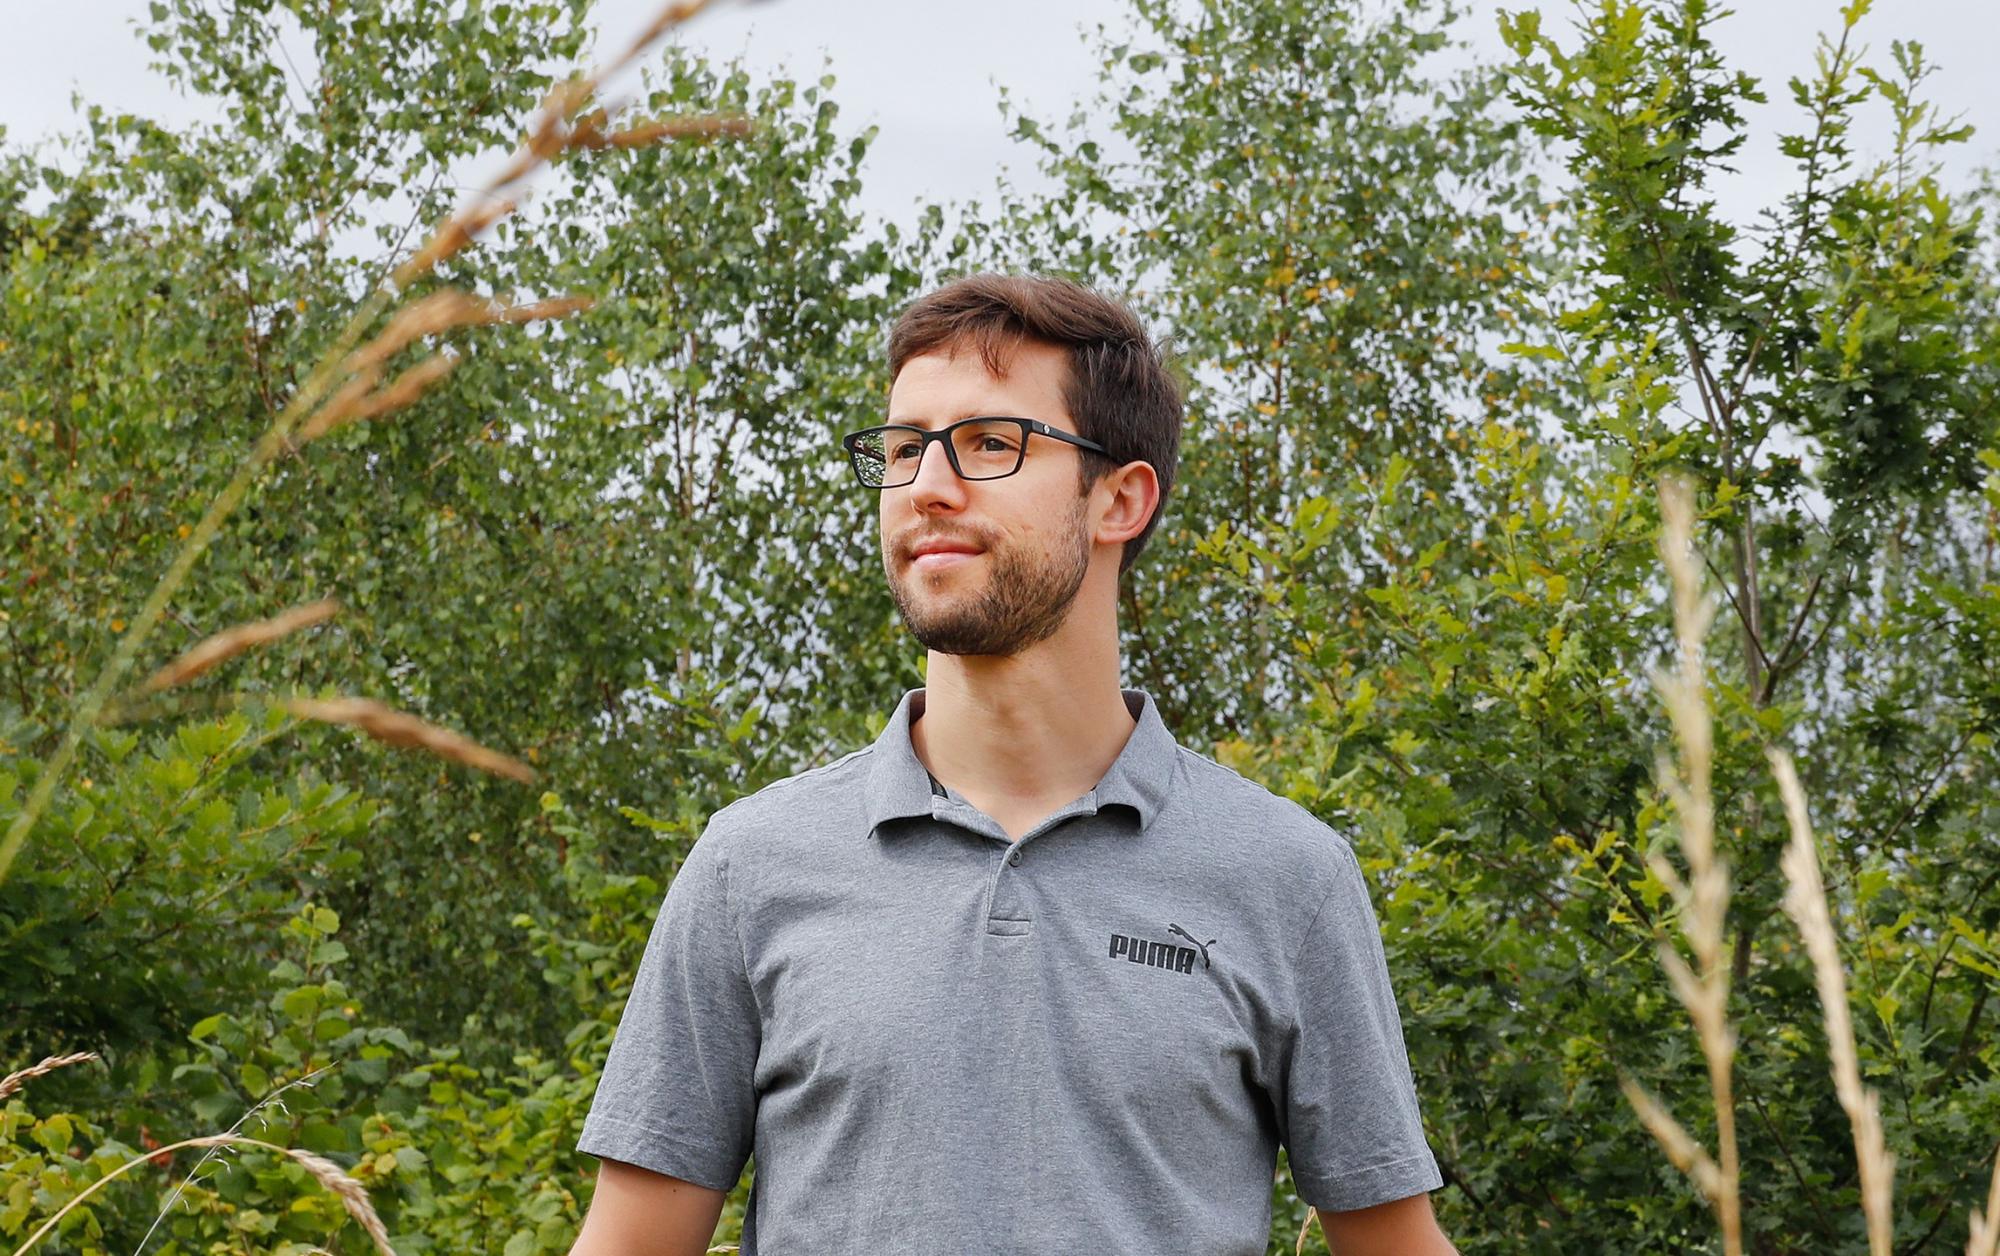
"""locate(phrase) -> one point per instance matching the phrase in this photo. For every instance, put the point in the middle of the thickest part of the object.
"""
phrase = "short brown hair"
(1121, 391)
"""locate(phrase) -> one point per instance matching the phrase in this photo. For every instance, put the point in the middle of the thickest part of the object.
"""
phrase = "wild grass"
(352, 1195)
(231, 642)
(164, 1157)
(346, 385)
(1703, 897)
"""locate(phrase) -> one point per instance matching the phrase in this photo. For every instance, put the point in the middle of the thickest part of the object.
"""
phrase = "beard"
(1025, 599)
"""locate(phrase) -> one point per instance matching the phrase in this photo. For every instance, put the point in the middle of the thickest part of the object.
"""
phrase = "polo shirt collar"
(1142, 776)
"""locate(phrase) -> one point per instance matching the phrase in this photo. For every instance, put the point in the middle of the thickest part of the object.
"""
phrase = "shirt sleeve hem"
(609, 1138)
(1377, 1184)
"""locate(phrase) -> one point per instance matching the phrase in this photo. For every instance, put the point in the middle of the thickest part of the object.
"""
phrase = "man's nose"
(935, 480)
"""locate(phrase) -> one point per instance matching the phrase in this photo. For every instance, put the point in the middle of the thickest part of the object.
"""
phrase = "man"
(1023, 976)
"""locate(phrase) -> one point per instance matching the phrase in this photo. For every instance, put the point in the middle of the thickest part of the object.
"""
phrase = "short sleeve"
(1353, 1134)
(677, 1095)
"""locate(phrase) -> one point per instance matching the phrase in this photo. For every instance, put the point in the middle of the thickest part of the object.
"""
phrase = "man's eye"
(1001, 442)
(907, 447)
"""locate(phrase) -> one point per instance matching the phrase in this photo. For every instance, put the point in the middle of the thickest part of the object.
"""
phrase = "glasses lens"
(870, 458)
(987, 449)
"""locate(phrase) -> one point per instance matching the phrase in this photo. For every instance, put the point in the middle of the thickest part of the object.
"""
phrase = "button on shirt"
(1092, 1039)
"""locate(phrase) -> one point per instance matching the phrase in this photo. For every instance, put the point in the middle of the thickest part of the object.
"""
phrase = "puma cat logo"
(1190, 937)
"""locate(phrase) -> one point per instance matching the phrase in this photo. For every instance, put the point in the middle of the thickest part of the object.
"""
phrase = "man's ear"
(1134, 494)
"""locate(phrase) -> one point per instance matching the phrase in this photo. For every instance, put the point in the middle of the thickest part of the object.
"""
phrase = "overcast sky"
(927, 72)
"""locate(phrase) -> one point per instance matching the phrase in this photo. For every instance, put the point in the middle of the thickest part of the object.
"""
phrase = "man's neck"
(1019, 738)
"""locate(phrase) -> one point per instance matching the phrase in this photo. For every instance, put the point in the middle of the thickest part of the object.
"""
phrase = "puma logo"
(1201, 946)
(1179, 959)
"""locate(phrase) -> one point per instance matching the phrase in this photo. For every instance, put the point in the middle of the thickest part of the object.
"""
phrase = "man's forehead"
(999, 380)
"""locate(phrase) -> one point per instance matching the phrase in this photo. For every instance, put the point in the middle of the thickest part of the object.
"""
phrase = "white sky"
(927, 72)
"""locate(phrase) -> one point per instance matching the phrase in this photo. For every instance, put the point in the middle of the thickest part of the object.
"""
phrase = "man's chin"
(956, 639)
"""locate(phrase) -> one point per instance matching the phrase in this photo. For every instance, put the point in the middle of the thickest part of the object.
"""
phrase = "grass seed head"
(1686, 1154)
(554, 307)
(399, 728)
(48, 1064)
(338, 408)
(231, 642)
(1985, 1237)
(590, 134)
(352, 1195)
(456, 232)
(438, 311)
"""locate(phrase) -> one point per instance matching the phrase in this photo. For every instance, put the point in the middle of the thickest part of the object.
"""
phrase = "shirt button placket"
(1009, 910)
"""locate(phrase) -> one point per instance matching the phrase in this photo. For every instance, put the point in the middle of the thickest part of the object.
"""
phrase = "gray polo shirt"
(1092, 1039)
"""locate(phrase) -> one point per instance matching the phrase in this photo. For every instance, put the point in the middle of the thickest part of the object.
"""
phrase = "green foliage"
(1408, 579)
(149, 889)
(1329, 312)
(455, 1157)
(1500, 766)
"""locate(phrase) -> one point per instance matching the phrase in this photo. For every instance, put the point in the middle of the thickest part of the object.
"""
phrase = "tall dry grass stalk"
(444, 310)
(342, 385)
(1703, 901)
(1805, 903)
(590, 132)
(1703, 898)
(383, 723)
(352, 1195)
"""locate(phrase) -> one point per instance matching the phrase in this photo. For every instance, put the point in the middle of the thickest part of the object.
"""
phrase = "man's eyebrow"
(926, 423)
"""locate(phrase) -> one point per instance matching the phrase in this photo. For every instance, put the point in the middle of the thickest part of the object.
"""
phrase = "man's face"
(1027, 535)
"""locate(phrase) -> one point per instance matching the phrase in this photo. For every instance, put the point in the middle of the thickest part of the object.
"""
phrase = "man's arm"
(674, 1116)
(637, 1212)
(1401, 1227)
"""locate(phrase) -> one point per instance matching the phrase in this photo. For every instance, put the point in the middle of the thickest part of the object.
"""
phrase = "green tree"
(574, 515)
(1330, 223)
(1496, 764)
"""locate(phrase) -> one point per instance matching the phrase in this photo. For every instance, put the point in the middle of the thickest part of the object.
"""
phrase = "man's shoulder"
(1264, 826)
(806, 800)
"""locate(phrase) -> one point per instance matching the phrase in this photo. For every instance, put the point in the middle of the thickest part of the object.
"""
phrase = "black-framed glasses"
(985, 447)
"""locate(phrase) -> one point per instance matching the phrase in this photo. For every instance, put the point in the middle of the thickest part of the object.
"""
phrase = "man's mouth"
(939, 560)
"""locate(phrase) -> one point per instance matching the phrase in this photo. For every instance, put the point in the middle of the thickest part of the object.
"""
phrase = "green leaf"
(331, 951)
(54, 1134)
(1886, 1005)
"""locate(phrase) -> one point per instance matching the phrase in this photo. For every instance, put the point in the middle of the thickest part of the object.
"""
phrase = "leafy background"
(1445, 318)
